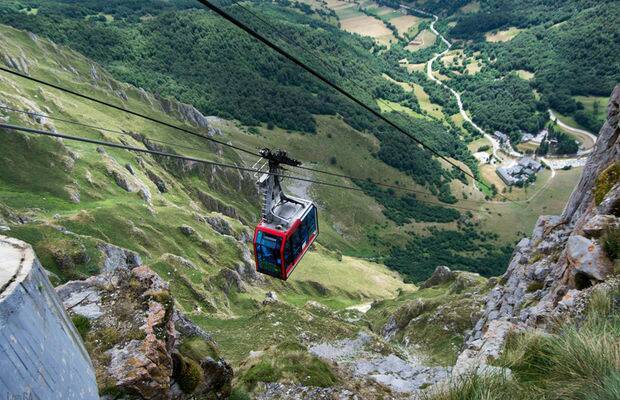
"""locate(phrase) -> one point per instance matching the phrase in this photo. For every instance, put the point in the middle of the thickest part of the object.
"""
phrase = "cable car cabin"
(288, 224)
(277, 249)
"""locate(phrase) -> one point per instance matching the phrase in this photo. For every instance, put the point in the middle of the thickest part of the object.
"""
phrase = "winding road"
(429, 72)
(554, 162)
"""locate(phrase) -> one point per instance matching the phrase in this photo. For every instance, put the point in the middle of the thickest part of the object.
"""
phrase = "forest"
(404, 207)
(506, 105)
(467, 249)
(570, 46)
(154, 45)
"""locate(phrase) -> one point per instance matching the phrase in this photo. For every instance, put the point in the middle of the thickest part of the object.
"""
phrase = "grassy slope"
(432, 320)
(579, 361)
(107, 213)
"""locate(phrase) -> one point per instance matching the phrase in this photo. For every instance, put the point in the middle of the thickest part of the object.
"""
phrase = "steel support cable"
(199, 160)
(292, 41)
(126, 110)
(228, 17)
(304, 48)
(352, 178)
(68, 121)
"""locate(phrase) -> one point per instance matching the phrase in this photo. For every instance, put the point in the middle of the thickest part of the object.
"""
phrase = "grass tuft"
(611, 243)
(605, 181)
(82, 324)
(581, 361)
(289, 362)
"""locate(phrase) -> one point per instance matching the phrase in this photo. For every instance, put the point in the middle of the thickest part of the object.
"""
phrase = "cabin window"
(268, 253)
(299, 239)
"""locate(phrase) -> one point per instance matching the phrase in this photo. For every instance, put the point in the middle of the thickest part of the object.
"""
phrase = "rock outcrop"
(135, 335)
(563, 261)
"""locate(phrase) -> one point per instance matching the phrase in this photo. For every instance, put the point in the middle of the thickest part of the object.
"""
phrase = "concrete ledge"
(42, 355)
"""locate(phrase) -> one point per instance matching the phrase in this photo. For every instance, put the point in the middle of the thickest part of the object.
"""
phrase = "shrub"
(611, 243)
(289, 362)
(108, 337)
(534, 286)
(82, 324)
(189, 374)
(580, 361)
(239, 394)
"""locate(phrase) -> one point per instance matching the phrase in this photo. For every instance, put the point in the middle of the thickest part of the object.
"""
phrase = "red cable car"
(288, 226)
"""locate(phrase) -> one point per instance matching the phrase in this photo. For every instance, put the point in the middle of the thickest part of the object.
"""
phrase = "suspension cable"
(230, 18)
(126, 110)
(200, 160)
(100, 128)
(352, 178)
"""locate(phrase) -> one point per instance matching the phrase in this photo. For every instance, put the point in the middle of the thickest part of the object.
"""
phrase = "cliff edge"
(552, 274)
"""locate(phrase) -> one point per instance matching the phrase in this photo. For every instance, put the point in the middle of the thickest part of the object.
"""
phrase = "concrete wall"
(41, 354)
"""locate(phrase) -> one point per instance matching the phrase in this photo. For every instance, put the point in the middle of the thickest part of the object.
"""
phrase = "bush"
(108, 338)
(291, 362)
(239, 394)
(611, 243)
(578, 362)
(82, 324)
(189, 374)
(605, 181)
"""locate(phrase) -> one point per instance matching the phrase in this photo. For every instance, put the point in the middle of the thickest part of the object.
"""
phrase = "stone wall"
(42, 355)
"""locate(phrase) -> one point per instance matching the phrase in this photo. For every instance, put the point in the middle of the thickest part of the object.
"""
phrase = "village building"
(526, 137)
(520, 173)
(502, 137)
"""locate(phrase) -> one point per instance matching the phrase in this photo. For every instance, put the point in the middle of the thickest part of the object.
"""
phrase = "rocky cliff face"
(552, 274)
(140, 344)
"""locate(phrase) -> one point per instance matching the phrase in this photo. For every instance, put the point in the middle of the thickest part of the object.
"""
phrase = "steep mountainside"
(103, 221)
(152, 256)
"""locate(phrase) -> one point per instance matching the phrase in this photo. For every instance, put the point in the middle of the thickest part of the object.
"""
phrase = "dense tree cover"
(557, 142)
(201, 59)
(571, 47)
(587, 120)
(466, 249)
(405, 207)
(440, 7)
(405, 154)
(507, 105)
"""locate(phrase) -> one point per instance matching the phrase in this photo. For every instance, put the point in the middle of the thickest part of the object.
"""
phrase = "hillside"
(414, 293)
(389, 157)
(75, 202)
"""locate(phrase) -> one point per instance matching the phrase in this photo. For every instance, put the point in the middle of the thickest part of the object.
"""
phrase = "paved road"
(429, 72)
(577, 131)
(554, 162)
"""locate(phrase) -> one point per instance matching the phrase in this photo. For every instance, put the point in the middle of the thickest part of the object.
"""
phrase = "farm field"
(472, 7)
(406, 24)
(387, 106)
(589, 104)
(416, 67)
(525, 75)
(432, 109)
(503, 36)
(354, 21)
(426, 39)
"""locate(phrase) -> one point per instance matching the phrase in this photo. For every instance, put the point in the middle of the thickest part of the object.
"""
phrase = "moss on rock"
(605, 181)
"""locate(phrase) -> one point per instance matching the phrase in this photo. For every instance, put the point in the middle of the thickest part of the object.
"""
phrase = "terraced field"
(424, 39)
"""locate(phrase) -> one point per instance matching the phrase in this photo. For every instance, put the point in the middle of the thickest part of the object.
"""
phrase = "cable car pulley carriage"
(288, 226)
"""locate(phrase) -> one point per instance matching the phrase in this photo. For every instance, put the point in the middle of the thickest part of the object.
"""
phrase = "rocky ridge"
(553, 273)
(140, 343)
